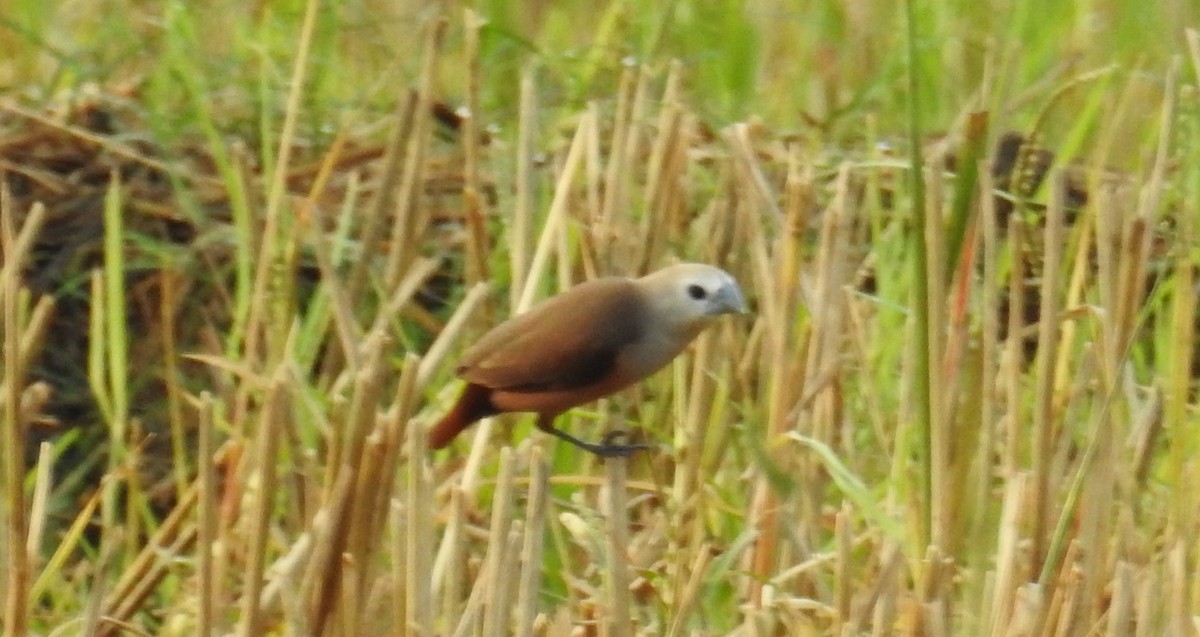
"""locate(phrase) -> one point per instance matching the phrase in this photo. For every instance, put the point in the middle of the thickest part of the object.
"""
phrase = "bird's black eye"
(696, 292)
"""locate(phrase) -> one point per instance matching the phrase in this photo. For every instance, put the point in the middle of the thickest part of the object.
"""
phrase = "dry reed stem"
(448, 576)
(271, 424)
(1148, 602)
(749, 178)
(34, 332)
(1184, 338)
(471, 476)
(385, 199)
(1122, 601)
(936, 511)
(409, 222)
(1009, 563)
(173, 538)
(555, 222)
(66, 546)
(619, 621)
(144, 587)
(271, 249)
(616, 174)
(397, 415)
(1059, 616)
(537, 504)
(362, 541)
(763, 511)
(398, 552)
(843, 581)
(168, 305)
(94, 611)
(1045, 487)
(989, 353)
(19, 243)
(798, 200)
(418, 528)
(1026, 612)
(360, 417)
(1179, 583)
(473, 201)
(17, 566)
(41, 485)
(521, 227)
(660, 164)
(435, 356)
(628, 166)
(495, 605)
(823, 343)
(881, 604)
(1014, 346)
(690, 436)
(689, 594)
(592, 183)
(206, 519)
(346, 328)
(467, 621)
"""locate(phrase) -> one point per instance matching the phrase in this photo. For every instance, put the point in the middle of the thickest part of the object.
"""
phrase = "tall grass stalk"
(16, 583)
(921, 298)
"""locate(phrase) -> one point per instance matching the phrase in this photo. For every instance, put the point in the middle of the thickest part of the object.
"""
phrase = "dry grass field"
(245, 244)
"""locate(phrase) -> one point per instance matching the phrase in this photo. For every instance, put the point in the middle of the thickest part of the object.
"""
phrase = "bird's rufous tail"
(474, 403)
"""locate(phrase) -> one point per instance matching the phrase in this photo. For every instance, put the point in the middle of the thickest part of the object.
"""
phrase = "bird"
(586, 343)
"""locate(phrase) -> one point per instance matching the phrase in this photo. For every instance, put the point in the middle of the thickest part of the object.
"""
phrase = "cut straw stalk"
(556, 219)
(520, 229)
(409, 222)
(272, 249)
(206, 523)
(922, 300)
(1015, 417)
(764, 504)
(989, 360)
(616, 176)
(36, 397)
(531, 550)
(389, 184)
(16, 583)
(270, 428)
(474, 202)
(619, 619)
(496, 575)
(688, 597)
(1044, 486)
(937, 439)
(418, 529)
(665, 167)
(1184, 339)
(111, 377)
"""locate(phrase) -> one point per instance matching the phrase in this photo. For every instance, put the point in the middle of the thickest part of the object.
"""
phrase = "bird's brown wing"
(568, 341)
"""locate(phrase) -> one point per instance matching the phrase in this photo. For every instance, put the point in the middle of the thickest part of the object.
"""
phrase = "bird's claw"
(611, 438)
(606, 448)
(610, 448)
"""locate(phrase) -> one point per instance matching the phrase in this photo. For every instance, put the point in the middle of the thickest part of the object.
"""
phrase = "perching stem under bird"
(587, 343)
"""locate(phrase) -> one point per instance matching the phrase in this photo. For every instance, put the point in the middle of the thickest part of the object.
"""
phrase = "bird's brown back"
(567, 341)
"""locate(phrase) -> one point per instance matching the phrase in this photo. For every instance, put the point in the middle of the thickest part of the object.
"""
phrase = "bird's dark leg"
(605, 449)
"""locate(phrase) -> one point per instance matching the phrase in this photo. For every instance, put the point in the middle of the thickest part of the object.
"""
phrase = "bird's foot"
(606, 448)
(609, 446)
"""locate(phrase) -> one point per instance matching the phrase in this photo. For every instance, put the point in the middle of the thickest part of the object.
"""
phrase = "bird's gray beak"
(729, 300)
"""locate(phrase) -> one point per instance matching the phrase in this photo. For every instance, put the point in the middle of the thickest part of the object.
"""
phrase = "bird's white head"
(691, 293)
